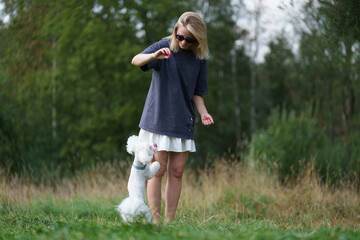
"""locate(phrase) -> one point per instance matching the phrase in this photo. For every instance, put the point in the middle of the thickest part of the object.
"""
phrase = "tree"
(322, 85)
(24, 60)
(278, 82)
(341, 22)
(335, 57)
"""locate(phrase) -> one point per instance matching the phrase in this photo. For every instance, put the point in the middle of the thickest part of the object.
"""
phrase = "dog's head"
(142, 151)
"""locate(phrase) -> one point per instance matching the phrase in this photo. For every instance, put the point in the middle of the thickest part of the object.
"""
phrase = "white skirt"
(167, 143)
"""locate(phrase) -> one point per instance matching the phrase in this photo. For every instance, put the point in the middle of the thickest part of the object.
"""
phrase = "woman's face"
(184, 35)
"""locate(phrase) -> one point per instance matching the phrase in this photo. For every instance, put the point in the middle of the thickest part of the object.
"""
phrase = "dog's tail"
(132, 143)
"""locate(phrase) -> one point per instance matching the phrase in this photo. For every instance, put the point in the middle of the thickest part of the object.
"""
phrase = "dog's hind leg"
(148, 216)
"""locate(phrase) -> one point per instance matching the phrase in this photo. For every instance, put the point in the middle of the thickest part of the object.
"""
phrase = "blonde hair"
(196, 26)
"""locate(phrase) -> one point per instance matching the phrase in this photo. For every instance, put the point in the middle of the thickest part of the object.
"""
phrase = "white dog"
(133, 207)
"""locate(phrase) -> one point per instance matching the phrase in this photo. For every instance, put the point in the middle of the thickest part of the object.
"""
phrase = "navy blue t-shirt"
(168, 108)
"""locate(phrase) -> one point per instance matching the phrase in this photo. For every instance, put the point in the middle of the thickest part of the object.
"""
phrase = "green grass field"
(83, 218)
(228, 202)
(96, 219)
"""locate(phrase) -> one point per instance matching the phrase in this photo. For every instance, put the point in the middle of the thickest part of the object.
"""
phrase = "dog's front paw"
(155, 166)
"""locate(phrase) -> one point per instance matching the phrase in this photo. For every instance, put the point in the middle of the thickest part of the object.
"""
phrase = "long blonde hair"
(196, 26)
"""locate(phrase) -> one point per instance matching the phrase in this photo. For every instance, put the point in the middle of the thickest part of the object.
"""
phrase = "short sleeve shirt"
(168, 108)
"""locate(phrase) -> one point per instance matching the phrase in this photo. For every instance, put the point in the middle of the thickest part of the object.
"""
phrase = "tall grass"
(230, 192)
(103, 181)
(245, 192)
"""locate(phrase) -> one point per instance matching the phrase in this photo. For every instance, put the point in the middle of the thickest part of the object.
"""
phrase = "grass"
(230, 201)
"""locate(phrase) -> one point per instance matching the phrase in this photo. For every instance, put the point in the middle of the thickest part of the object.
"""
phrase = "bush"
(291, 142)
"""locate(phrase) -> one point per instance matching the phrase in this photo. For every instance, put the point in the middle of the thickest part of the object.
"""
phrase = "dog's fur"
(133, 207)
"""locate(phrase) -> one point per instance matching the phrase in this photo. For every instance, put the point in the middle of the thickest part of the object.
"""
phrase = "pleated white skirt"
(167, 143)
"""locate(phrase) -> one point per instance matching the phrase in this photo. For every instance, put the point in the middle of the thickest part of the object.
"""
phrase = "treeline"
(70, 97)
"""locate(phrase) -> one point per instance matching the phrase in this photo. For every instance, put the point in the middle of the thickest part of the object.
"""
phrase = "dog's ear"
(132, 143)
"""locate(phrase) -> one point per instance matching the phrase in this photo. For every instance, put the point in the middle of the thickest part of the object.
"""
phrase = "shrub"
(291, 142)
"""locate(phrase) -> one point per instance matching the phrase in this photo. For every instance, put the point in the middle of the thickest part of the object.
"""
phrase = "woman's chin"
(184, 47)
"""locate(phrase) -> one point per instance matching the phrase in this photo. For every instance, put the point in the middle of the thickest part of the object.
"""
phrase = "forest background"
(70, 98)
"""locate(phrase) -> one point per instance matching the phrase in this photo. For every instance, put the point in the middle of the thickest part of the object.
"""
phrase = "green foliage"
(339, 159)
(77, 98)
(278, 80)
(70, 97)
(292, 142)
(342, 18)
(288, 143)
(9, 142)
(323, 71)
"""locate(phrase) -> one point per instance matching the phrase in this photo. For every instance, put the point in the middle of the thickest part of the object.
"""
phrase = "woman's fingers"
(208, 120)
(166, 53)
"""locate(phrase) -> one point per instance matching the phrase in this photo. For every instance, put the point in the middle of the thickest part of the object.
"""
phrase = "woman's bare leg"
(154, 186)
(175, 170)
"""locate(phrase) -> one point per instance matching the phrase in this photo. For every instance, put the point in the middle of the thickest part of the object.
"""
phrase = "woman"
(179, 81)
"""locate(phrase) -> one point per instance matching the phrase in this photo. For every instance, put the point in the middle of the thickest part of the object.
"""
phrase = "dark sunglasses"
(188, 40)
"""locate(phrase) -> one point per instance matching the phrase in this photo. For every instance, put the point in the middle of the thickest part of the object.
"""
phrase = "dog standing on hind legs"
(133, 207)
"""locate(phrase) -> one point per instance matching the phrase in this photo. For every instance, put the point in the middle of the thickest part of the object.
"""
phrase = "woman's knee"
(176, 164)
(161, 171)
(161, 157)
(176, 172)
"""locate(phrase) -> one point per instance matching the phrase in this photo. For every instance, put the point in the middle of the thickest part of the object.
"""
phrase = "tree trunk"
(254, 69)
(53, 100)
(236, 101)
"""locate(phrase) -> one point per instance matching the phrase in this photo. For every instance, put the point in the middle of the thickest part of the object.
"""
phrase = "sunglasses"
(188, 40)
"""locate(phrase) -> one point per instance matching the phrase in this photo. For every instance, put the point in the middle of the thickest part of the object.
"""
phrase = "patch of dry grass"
(100, 182)
(251, 192)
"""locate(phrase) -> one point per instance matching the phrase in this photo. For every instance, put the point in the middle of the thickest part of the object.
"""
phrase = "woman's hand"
(207, 119)
(163, 53)
(143, 58)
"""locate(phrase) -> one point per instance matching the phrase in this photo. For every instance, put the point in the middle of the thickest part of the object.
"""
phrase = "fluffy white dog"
(133, 207)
